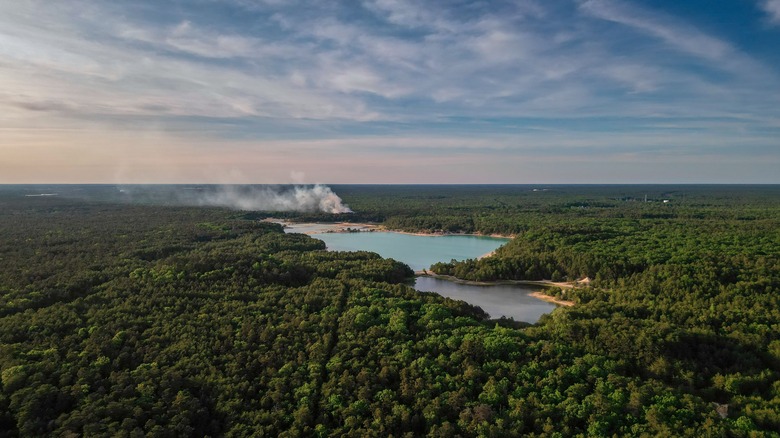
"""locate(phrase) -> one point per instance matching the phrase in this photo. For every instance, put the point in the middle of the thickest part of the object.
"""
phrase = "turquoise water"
(419, 252)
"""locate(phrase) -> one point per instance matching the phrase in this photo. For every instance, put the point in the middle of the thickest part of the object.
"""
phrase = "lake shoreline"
(447, 233)
(536, 294)
(539, 295)
(368, 227)
(316, 229)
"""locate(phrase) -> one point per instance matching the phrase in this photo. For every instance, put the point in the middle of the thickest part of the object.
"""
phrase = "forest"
(129, 319)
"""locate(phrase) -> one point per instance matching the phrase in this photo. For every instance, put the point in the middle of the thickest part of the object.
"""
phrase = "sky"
(390, 91)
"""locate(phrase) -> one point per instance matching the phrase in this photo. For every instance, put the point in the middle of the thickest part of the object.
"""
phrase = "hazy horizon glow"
(389, 91)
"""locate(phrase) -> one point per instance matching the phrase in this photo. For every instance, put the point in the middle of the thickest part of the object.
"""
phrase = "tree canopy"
(129, 320)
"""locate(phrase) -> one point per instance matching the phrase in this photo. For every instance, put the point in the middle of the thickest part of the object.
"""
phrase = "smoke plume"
(299, 198)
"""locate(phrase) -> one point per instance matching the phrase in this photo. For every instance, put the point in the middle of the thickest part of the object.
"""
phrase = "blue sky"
(390, 91)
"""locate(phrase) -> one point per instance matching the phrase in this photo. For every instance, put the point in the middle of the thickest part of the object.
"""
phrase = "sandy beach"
(351, 227)
(442, 233)
(486, 255)
(544, 297)
(326, 227)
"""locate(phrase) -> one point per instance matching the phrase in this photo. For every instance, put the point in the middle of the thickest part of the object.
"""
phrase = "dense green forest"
(121, 319)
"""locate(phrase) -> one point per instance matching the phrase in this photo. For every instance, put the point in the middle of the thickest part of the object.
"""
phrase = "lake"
(420, 252)
(497, 300)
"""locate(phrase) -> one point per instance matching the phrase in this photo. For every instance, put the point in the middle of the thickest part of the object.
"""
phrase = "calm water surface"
(420, 252)
(499, 300)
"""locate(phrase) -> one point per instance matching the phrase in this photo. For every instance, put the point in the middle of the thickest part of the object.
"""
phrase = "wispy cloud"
(503, 62)
(682, 37)
(186, 38)
(772, 8)
(332, 73)
(716, 53)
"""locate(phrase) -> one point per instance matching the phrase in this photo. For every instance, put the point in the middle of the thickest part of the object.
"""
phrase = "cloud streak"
(227, 73)
(503, 63)
(772, 9)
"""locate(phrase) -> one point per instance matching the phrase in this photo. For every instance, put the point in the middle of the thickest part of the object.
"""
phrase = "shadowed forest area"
(125, 319)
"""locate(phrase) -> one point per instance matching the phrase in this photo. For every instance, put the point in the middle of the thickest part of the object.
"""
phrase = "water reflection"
(499, 300)
(420, 252)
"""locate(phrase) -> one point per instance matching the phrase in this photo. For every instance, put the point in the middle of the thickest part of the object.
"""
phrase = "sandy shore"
(351, 227)
(327, 227)
(542, 296)
(441, 233)
(486, 255)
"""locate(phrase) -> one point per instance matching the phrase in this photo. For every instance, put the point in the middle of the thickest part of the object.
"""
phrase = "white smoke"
(300, 197)
(316, 198)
